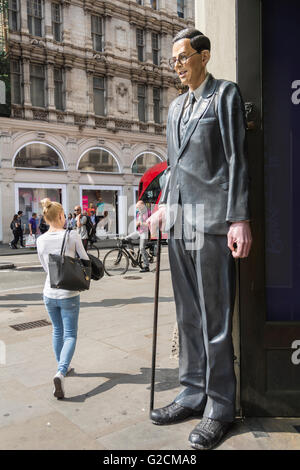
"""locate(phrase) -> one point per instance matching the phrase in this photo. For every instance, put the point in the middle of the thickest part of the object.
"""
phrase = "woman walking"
(62, 305)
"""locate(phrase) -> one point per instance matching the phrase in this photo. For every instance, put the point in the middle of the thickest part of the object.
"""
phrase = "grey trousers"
(143, 241)
(204, 290)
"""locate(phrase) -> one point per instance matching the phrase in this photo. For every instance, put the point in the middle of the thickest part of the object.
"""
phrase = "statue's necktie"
(186, 116)
(188, 112)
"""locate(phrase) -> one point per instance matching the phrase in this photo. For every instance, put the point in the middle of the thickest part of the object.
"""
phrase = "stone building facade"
(90, 90)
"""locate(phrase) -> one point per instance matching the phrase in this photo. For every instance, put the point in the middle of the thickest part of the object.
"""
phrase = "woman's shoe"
(59, 391)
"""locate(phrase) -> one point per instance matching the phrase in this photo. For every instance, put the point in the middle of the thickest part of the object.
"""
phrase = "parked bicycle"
(116, 261)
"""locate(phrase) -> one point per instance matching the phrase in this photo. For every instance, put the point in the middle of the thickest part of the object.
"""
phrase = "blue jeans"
(64, 315)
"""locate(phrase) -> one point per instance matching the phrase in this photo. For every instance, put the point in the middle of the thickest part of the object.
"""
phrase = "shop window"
(98, 160)
(145, 161)
(30, 202)
(103, 204)
(40, 156)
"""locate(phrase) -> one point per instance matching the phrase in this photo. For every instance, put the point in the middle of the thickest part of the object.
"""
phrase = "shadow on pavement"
(166, 379)
(121, 302)
(83, 304)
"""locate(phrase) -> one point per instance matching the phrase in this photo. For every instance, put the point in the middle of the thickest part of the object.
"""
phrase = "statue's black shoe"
(208, 433)
(173, 413)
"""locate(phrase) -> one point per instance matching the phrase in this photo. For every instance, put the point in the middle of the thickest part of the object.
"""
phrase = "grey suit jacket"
(210, 166)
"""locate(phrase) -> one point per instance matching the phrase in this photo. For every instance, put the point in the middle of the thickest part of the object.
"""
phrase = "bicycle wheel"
(115, 262)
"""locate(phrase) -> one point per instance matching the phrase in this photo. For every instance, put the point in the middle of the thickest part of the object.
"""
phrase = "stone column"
(88, 29)
(165, 50)
(26, 88)
(134, 55)
(108, 35)
(48, 20)
(135, 112)
(66, 36)
(51, 88)
(148, 46)
(69, 101)
(163, 104)
(150, 105)
(110, 98)
(7, 175)
(23, 16)
(90, 100)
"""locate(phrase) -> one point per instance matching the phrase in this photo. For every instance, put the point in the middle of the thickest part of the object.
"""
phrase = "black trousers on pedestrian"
(204, 291)
(17, 236)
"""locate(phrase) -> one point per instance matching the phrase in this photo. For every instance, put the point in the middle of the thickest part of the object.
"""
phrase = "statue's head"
(190, 55)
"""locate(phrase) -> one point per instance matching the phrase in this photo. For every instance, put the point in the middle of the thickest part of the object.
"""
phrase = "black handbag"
(69, 273)
(97, 267)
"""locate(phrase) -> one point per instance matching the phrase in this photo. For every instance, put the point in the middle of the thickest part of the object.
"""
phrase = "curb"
(7, 266)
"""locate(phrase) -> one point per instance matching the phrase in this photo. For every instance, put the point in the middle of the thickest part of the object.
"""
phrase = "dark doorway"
(269, 77)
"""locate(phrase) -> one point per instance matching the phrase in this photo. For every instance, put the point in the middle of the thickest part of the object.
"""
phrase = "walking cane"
(155, 320)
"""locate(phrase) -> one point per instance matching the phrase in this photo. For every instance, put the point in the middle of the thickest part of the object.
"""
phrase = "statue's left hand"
(240, 235)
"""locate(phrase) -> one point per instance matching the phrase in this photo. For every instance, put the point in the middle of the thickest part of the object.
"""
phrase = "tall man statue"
(207, 169)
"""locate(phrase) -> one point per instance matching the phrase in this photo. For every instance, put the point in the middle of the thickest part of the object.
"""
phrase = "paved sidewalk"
(107, 394)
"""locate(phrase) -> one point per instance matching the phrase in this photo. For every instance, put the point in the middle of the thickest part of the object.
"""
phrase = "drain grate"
(297, 428)
(132, 278)
(30, 325)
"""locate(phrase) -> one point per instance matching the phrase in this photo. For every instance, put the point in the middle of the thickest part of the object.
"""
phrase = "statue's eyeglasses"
(181, 59)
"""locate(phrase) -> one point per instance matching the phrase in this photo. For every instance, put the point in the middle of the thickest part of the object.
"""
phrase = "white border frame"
(63, 188)
(38, 169)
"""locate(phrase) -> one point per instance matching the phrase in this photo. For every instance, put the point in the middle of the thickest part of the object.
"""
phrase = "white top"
(50, 242)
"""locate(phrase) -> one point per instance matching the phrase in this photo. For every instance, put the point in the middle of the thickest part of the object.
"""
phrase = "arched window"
(99, 160)
(145, 161)
(38, 155)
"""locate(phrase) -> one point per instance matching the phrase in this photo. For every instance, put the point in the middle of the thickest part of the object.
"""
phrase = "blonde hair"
(51, 209)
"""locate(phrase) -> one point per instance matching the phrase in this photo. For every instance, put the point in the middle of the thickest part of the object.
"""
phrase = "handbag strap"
(64, 243)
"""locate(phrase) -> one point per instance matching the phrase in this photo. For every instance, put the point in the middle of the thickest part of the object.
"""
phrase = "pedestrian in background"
(20, 229)
(15, 230)
(32, 224)
(62, 305)
(81, 221)
(70, 222)
(43, 226)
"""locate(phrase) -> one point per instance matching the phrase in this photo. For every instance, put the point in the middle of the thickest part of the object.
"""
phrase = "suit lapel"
(199, 111)
(177, 114)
